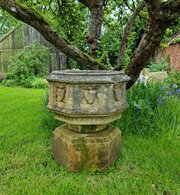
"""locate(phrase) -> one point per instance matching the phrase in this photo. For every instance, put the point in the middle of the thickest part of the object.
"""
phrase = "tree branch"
(125, 35)
(153, 9)
(150, 41)
(34, 19)
(126, 3)
(86, 3)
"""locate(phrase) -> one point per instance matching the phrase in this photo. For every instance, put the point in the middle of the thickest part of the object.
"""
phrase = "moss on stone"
(96, 61)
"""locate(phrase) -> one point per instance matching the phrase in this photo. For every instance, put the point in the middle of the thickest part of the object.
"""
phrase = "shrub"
(153, 110)
(9, 83)
(173, 78)
(163, 66)
(39, 83)
(26, 65)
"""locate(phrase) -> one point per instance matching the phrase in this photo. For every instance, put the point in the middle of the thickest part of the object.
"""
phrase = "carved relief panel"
(89, 94)
(89, 99)
(118, 93)
(60, 92)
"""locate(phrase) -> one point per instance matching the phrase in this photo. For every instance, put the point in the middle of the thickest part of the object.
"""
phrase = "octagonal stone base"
(94, 151)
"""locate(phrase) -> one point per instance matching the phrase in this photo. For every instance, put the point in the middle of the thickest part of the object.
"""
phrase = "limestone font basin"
(87, 97)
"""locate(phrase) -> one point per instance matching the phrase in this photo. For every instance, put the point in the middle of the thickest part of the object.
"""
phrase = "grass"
(148, 165)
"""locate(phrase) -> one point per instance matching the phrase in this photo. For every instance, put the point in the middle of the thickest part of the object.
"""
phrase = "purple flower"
(142, 79)
(138, 80)
(160, 100)
(138, 107)
(170, 93)
(162, 88)
(174, 86)
(178, 91)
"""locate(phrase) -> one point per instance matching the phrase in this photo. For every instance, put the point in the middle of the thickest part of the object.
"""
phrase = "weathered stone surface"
(87, 128)
(159, 76)
(88, 76)
(87, 97)
(87, 120)
(94, 151)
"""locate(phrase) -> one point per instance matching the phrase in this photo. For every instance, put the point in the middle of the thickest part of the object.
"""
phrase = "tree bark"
(149, 42)
(125, 35)
(95, 25)
(34, 19)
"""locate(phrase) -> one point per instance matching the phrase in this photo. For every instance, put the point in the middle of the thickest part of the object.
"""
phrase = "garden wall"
(173, 52)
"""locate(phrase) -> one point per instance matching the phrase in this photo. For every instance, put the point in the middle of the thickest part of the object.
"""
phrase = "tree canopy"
(101, 34)
(6, 22)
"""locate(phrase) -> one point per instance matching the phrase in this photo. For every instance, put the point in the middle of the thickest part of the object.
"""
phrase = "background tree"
(157, 17)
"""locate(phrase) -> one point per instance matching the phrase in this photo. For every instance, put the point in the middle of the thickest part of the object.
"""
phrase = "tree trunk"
(95, 24)
(143, 53)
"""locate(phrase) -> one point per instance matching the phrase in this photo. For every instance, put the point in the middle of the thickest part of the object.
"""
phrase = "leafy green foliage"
(162, 66)
(109, 49)
(153, 110)
(69, 18)
(7, 22)
(173, 78)
(115, 18)
(176, 40)
(170, 32)
(39, 83)
(27, 65)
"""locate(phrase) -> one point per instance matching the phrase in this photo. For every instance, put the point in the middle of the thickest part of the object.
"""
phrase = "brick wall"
(173, 52)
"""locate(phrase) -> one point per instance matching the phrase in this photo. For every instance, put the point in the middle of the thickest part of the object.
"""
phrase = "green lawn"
(147, 165)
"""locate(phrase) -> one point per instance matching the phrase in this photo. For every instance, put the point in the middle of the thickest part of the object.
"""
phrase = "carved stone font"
(88, 101)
